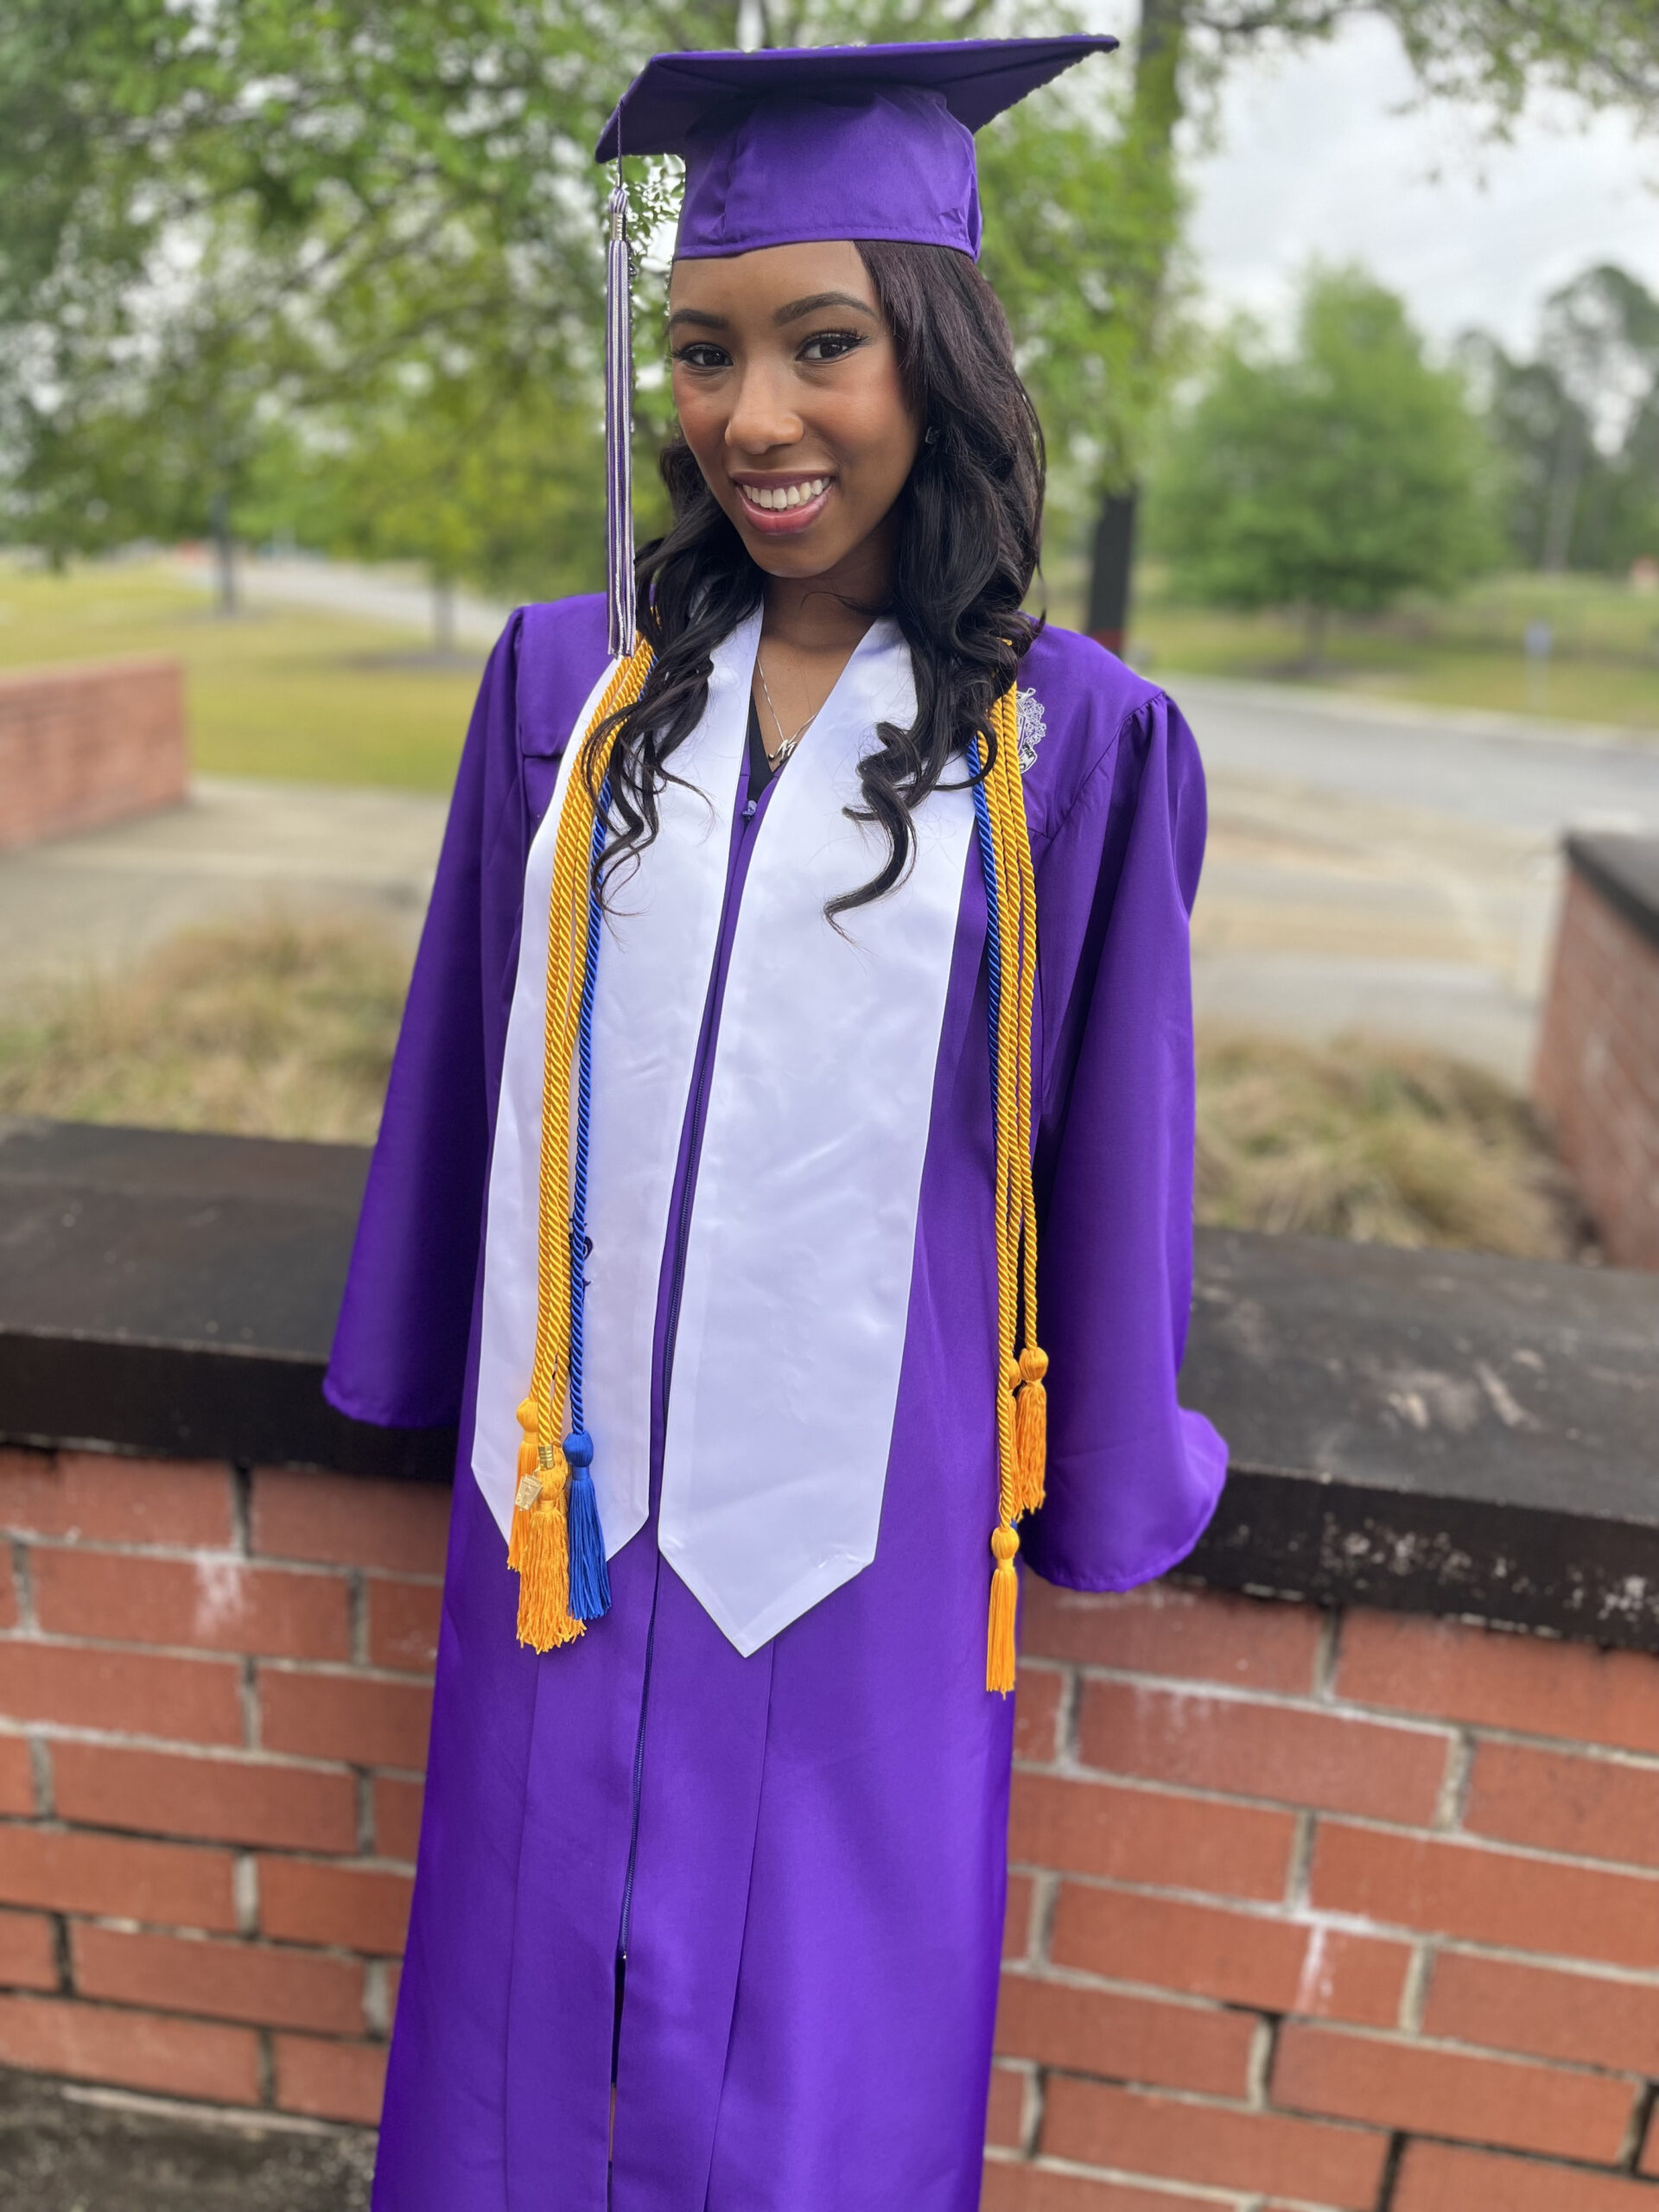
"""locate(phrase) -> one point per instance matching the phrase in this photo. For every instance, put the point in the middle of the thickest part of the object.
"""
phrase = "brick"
(1005, 2119)
(176, 1886)
(397, 1818)
(1149, 1835)
(16, 1776)
(360, 1907)
(362, 1718)
(403, 1624)
(100, 1497)
(29, 1957)
(1276, 1966)
(1531, 1685)
(215, 1601)
(1196, 1635)
(1440, 2092)
(1328, 1760)
(1036, 1717)
(89, 2042)
(227, 1800)
(1544, 2014)
(1016, 1919)
(341, 1521)
(1649, 2157)
(330, 2081)
(1592, 1808)
(8, 1582)
(126, 1693)
(1171, 2046)
(1213, 2147)
(1022, 2188)
(1435, 2177)
(1484, 1895)
(255, 1982)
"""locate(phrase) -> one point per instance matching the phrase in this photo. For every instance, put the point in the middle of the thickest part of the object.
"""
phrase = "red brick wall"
(213, 1695)
(1310, 1912)
(1597, 1079)
(85, 745)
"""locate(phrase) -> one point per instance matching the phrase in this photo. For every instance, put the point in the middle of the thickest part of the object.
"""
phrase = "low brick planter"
(1597, 1079)
(1324, 1898)
(89, 744)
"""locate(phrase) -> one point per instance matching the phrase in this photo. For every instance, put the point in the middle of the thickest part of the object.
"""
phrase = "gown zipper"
(744, 829)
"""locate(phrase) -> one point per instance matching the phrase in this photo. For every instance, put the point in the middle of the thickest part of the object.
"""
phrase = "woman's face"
(788, 391)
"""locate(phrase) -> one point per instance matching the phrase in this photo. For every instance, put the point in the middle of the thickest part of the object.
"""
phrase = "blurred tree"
(1578, 424)
(412, 183)
(1332, 477)
(503, 489)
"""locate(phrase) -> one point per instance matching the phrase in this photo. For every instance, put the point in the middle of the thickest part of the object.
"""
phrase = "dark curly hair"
(969, 519)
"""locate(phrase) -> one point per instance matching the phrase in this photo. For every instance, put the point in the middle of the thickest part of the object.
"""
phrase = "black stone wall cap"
(175, 1294)
(1434, 1431)
(1625, 870)
(1439, 1432)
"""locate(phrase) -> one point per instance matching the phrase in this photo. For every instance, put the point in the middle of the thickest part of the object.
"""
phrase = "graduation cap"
(793, 144)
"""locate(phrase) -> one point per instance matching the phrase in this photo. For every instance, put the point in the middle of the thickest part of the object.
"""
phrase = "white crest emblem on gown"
(1032, 728)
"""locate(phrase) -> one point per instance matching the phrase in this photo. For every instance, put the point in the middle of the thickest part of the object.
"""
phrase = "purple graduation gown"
(801, 1851)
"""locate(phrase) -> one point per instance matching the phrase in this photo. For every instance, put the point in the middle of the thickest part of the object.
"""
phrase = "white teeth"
(785, 495)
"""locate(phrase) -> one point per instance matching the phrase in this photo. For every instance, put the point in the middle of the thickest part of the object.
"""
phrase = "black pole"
(1109, 580)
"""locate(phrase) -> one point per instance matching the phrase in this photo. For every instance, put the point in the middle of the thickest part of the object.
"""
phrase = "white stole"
(796, 1265)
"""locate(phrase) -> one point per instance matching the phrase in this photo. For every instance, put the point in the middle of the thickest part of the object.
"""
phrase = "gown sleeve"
(400, 1347)
(1132, 1477)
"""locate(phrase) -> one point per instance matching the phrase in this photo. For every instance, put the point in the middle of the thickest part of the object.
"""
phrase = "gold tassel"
(1004, 1599)
(530, 1482)
(544, 1616)
(1030, 1427)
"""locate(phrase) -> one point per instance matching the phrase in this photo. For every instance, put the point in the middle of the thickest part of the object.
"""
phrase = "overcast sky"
(1316, 160)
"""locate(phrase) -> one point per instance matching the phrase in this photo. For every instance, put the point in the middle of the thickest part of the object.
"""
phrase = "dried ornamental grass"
(1381, 1144)
(275, 1027)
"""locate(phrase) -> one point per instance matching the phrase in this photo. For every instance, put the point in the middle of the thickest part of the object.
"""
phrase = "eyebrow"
(796, 308)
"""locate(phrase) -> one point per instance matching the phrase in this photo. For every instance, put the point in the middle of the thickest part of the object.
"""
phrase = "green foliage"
(1579, 425)
(1334, 476)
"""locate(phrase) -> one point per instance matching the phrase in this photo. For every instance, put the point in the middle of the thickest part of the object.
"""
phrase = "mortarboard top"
(791, 144)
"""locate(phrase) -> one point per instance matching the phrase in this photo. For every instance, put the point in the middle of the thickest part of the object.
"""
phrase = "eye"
(702, 353)
(831, 345)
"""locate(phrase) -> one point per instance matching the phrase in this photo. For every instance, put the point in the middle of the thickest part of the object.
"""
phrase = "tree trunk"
(1154, 114)
(1108, 582)
(1561, 511)
(443, 616)
(224, 552)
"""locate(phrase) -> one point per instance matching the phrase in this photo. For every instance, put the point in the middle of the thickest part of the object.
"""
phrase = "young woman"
(728, 1118)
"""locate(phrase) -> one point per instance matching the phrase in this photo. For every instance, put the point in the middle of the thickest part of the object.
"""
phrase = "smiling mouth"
(775, 507)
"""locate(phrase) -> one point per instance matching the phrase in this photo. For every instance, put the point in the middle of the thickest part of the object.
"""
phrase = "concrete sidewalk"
(82, 906)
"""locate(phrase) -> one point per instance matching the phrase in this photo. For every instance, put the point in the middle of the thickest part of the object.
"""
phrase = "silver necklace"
(787, 745)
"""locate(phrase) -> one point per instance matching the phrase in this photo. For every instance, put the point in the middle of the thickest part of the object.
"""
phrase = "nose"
(761, 418)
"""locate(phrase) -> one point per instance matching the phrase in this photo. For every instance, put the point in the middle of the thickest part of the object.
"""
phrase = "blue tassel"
(590, 1579)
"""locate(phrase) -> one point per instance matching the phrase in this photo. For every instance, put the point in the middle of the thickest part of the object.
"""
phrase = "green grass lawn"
(300, 696)
(1465, 652)
(306, 696)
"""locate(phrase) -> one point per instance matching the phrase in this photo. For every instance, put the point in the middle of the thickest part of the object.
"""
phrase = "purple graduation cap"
(796, 143)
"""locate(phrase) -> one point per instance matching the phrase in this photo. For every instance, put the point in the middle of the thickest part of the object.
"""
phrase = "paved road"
(1371, 866)
(1393, 869)
(88, 904)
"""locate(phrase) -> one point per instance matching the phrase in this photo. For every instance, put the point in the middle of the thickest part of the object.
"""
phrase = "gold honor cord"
(539, 1546)
(1021, 1405)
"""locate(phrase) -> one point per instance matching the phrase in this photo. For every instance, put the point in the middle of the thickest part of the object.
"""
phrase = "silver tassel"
(618, 429)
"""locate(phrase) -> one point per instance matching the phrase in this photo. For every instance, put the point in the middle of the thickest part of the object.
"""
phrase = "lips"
(780, 509)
